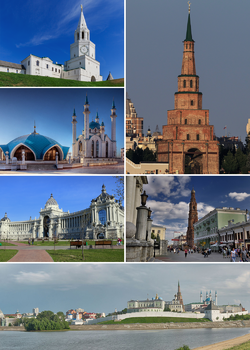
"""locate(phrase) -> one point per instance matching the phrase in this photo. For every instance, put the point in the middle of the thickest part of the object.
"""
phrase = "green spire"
(86, 100)
(113, 104)
(189, 31)
(97, 116)
(74, 113)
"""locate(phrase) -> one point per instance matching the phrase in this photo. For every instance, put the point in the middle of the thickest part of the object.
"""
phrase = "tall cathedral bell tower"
(192, 219)
(188, 143)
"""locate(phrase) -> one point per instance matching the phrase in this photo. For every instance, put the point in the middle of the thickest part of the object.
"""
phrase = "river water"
(169, 339)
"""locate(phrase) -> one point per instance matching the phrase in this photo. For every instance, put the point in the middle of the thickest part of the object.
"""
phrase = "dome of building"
(94, 125)
(36, 146)
(51, 203)
(5, 218)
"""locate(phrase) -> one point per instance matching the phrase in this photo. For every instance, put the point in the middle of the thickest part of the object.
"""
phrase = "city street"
(192, 257)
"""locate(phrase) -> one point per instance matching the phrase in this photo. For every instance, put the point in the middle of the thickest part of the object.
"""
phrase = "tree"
(229, 163)
(241, 160)
(61, 315)
(119, 191)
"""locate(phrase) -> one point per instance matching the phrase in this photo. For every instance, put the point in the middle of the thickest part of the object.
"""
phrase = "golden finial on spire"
(34, 127)
(189, 3)
(81, 8)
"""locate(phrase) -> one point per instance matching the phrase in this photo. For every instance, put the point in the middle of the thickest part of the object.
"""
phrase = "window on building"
(37, 63)
(77, 36)
(47, 66)
(186, 121)
(187, 136)
(184, 83)
(28, 63)
(197, 137)
(192, 102)
(56, 70)
(8, 70)
(16, 71)
(82, 35)
(191, 83)
(199, 122)
(102, 216)
(52, 69)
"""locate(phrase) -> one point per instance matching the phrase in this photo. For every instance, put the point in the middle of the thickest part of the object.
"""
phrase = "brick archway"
(193, 161)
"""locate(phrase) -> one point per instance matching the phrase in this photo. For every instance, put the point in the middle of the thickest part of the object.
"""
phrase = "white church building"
(93, 143)
(82, 65)
(103, 219)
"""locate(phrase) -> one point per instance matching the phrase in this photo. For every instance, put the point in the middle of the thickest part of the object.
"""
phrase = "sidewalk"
(194, 257)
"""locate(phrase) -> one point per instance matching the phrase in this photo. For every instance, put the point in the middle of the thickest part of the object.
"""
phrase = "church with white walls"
(93, 143)
(104, 219)
(82, 65)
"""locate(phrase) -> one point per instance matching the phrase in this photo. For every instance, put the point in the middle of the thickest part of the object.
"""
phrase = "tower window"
(190, 46)
(197, 137)
(199, 122)
(52, 69)
(77, 36)
(186, 46)
(187, 136)
(28, 63)
(37, 63)
(192, 102)
(191, 83)
(186, 121)
(82, 35)
(184, 83)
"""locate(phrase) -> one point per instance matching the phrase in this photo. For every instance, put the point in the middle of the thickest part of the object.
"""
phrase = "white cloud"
(39, 277)
(239, 196)
(168, 186)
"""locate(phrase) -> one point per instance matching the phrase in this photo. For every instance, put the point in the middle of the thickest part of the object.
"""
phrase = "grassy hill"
(20, 80)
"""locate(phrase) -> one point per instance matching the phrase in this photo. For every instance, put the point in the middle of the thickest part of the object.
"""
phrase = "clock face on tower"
(84, 49)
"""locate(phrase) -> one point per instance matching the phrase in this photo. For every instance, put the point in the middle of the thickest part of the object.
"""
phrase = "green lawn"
(157, 320)
(6, 244)
(6, 255)
(13, 79)
(244, 346)
(60, 243)
(95, 255)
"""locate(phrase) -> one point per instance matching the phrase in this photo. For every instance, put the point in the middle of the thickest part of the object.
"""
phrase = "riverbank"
(149, 326)
(227, 344)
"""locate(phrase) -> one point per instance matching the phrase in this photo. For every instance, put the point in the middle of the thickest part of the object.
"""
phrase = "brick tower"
(179, 296)
(192, 218)
(188, 143)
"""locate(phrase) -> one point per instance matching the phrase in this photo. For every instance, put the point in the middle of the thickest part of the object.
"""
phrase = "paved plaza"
(109, 170)
(192, 257)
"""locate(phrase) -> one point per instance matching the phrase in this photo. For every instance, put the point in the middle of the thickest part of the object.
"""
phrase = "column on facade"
(130, 198)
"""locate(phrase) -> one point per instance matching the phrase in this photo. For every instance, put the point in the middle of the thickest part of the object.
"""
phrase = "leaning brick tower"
(192, 218)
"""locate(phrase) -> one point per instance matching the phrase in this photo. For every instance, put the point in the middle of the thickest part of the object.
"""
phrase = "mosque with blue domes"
(93, 143)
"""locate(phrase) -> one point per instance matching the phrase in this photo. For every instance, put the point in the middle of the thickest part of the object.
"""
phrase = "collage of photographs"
(124, 169)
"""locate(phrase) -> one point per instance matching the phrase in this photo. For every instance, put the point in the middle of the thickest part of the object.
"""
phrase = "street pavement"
(192, 257)
(110, 169)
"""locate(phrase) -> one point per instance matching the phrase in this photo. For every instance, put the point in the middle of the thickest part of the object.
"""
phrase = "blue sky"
(155, 33)
(52, 110)
(169, 197)
(46, 28)
(106, 287)
(22, 197)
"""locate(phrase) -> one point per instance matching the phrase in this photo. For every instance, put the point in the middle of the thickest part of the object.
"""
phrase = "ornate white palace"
(103, 219)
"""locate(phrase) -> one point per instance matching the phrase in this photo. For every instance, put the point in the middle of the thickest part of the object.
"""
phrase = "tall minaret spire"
(113, 128)
(74, 122)
(86, 113)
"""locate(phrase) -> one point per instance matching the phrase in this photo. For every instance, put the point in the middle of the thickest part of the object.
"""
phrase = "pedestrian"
(29, 241)
(233, 255)
(186, 252)
(243, 255)
(32, 241)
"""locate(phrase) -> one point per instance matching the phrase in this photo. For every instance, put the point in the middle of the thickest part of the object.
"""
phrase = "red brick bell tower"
(192, 218)
(188, 143)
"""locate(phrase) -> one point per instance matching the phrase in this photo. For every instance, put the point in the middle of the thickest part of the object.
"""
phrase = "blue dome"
(39, 144)
(93, 125)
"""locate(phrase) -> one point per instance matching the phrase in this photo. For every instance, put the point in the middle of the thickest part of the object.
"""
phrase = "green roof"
(189, 31)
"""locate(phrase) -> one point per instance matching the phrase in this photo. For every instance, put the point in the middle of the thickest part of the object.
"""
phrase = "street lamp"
(144, 198)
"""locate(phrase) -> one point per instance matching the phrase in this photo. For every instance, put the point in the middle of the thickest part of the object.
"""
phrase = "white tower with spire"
(113, 128)
(74, 144)
(82, 64)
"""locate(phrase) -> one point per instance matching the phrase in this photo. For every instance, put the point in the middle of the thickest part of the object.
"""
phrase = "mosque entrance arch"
(193, 161)
(29, 155)
(101, 235)
(51, 154)
(46, 222)
(93, 78)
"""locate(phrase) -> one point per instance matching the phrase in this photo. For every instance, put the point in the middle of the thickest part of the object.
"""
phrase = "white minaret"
(113, 128)
(86, 119)
(216, 296)
(210, 295)
(201, 296)
(74, 146)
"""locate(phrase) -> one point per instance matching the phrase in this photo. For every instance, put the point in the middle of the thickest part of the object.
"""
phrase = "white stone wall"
(42, 66)
(12, 70)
